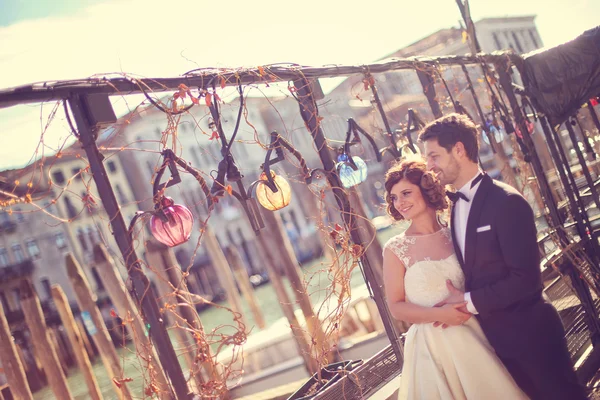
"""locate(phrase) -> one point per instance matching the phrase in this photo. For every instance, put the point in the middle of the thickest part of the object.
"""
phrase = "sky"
(61, 39)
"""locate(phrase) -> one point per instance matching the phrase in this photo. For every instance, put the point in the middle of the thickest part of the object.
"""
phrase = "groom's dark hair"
(451, 129)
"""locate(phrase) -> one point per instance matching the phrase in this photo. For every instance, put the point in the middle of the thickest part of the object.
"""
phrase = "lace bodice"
(429, 262)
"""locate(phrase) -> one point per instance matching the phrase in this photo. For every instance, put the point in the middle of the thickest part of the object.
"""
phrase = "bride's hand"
(453, 314)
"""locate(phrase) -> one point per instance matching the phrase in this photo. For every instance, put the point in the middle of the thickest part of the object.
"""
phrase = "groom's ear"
(459, 150)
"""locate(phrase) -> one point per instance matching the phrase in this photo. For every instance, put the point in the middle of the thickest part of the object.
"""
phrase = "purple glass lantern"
(172, 223)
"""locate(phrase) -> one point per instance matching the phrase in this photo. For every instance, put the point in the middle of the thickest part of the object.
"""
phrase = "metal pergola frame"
(89, 104)
(204, 78)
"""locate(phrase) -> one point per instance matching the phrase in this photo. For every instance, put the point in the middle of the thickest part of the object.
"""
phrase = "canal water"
(211, 318)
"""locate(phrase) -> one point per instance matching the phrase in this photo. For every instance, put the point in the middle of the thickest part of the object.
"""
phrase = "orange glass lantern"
(273, 200)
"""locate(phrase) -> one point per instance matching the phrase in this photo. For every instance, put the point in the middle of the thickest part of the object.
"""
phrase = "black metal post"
(584, 167)
(574, 194)
(310, 115)
(586, 140)
(386, 123)
(426, 79)
(142, 290)
(479, 110)
(580, 287)
(469, 25)
(502, 69)
(592, 111)
(564, 161)
(559, 163)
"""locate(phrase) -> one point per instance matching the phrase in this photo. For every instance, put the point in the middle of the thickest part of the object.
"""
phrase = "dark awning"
(561, 79)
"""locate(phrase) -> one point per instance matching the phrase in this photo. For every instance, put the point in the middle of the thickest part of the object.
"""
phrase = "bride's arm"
(393, 277)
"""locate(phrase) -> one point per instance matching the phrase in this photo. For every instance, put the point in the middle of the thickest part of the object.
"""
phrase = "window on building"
(71, 211)
(243, 151)
(4, 302)
(509, 43)
(230, 238)
(112, 167)
(18, 252)
(533, 37)
(517, 42)
(99, 284)
(19, 214)
(206, 157)
(497, 42)
(150, 166)
(120, 194)
(4, 261)
(47, 288)
(93, 235)
(17, 298)
(101, 234)
(82, 239)
(75, 171)
(58, 177)
(4, 218)
(32, 248)
(294, 219)
(61, 241)
(195, 157)
(523, 40)
(49, 207)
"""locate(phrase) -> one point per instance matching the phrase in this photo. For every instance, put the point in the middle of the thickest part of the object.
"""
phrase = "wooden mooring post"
(304, 348)
(86, 341)
(96, 326)
(66, 316)
(280, 241)
(165, 265)
(42, 344)
(128, 311)
(241, 275)
(13, 369)
(224, 273)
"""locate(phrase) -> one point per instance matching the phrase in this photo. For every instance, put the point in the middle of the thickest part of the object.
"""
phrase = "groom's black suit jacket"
(502, 272)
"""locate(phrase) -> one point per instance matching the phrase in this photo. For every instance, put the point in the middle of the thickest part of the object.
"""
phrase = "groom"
(494, 235)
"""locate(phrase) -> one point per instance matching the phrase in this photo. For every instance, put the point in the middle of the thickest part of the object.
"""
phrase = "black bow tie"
(455, 196)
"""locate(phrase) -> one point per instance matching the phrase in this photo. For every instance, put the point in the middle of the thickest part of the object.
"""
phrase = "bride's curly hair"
(415, 171)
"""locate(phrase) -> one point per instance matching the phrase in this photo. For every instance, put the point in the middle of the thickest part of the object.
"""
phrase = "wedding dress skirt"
(447, 364)
(453, 363)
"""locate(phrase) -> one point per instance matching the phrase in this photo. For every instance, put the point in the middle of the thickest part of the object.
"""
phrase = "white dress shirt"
(461, 216)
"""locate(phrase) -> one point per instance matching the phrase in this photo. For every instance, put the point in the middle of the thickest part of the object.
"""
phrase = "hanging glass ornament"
(273, 200)
(348, 175)
(172, 223)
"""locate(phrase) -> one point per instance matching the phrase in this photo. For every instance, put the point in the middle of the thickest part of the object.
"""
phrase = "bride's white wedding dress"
(453, 363)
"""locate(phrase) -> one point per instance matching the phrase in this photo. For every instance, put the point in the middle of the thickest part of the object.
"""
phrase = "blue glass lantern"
(498, 133)
(348, 175)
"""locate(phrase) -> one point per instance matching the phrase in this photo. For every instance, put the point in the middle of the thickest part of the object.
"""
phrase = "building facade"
(64, 216)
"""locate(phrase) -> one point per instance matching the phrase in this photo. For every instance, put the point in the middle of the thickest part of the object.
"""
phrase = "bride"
(453, 363)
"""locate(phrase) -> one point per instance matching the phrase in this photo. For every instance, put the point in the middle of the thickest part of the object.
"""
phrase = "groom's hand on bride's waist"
(455, 296)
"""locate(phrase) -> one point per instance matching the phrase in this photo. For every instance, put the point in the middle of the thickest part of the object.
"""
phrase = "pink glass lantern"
(174, 226)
